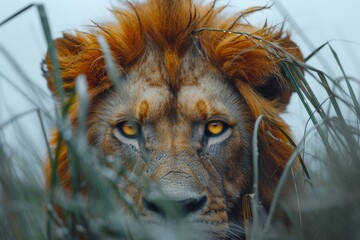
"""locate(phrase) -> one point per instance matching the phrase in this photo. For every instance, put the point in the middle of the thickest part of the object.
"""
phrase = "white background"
(319, 20)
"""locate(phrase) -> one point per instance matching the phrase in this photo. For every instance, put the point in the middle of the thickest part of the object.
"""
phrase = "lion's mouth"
(203, 225)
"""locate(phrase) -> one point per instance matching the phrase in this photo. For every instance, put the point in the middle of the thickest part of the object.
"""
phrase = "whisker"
(235, 231)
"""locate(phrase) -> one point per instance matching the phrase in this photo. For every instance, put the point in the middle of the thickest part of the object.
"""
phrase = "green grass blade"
(290, 76)
(16, 14)
(22, 74)
(52, 51)
(326, 86)
(351, 90)
(84, 104)
(307, 174)
(281, 184)
(16, 117)
(256, 200)
(308, 90)
(313, 53)
(111, 68)
(49, 40)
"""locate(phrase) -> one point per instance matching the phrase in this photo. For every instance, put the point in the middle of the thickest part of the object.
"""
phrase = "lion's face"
(193, 83)
(195, 138)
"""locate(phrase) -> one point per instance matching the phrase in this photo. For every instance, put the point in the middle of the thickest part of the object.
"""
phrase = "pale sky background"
(319, 20)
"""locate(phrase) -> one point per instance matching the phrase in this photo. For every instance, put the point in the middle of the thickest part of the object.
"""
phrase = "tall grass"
(326, 205)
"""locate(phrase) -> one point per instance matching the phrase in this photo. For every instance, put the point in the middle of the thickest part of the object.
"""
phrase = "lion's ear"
(276, 86)
(251, 60)
(68, 45)
(68, 48)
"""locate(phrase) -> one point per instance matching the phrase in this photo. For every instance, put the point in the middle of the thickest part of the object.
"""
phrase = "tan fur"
(180, 75)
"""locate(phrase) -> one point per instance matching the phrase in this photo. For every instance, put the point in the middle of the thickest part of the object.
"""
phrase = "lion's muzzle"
(180, 191)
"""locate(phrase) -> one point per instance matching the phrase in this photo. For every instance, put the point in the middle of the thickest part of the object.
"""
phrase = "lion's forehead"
(210, 98)
(207, 98)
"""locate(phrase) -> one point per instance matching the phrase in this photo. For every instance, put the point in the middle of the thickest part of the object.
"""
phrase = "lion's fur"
(171, 29)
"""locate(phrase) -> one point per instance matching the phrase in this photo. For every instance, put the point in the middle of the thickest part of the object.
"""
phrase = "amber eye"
(215, 128)
(128, 129)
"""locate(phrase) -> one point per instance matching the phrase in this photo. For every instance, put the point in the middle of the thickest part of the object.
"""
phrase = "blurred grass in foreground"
(326, 206)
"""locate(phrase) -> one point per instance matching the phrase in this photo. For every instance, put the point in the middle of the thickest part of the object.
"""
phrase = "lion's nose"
(169, 207)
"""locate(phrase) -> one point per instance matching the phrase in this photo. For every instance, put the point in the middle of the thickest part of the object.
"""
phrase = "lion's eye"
(128, 129)
(215, 128)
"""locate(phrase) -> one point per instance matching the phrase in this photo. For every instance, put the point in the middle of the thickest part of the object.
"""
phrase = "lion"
(193, 82)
